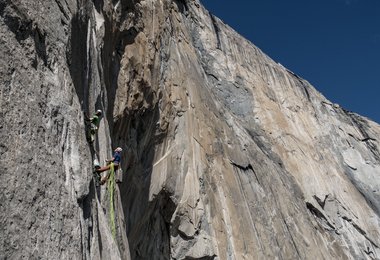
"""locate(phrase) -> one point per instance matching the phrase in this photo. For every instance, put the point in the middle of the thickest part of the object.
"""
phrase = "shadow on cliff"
(147, 221)
(76, 54)
(80, 66)
(148, 216)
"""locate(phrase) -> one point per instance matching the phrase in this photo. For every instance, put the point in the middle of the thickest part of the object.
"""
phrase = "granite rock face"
(227, 154)
(50, 74)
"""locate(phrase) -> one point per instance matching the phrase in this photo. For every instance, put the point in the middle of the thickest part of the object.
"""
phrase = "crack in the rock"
(360, 230)
(304, 86)
(62, 9)
(246, 168)
(291, 235)
(212, 75)
(200, 258)
(217, 31)
(182, 6)
(359, 123)
(368, 139)
(369, 252)
(320, 202)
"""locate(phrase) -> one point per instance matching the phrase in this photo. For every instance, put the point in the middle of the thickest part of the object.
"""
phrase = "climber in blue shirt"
(116, 157)
(115, 160)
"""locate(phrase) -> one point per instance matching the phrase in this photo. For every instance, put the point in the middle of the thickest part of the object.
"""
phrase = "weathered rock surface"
(227, 154)
(50, 72)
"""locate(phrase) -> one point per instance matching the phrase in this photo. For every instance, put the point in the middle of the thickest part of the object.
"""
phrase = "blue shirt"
(117, 157)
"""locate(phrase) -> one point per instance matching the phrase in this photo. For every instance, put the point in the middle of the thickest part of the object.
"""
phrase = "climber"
(115, 160)
(94, 120)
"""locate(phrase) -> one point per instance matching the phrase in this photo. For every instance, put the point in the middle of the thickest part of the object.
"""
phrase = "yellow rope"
(111, 189)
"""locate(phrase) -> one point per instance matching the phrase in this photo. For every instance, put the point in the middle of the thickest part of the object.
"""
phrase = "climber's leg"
(96, 178)
(89, 137)
(102, 169)
(105, 178)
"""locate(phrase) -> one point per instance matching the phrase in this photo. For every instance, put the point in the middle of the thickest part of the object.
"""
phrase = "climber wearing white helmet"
(95, 120)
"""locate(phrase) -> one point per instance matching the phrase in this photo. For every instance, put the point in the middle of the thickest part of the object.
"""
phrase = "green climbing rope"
(111, 190)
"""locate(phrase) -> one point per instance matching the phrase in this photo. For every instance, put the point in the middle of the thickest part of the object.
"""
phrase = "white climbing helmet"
(99, 112)
(118, 149)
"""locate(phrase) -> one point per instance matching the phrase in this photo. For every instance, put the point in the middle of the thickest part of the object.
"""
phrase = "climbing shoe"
(96, 179)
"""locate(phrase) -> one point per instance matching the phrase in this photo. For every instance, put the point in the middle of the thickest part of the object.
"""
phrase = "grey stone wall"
(226, 153)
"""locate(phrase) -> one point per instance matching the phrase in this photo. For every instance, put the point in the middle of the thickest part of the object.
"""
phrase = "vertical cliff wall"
(52, 73)
(227, 154)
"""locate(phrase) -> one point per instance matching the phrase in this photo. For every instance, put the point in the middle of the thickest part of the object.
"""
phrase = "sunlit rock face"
(226, 153)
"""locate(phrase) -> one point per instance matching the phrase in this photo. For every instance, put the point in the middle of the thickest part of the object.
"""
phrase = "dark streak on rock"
(63, 11)
(316, 212)
(368, 139)
(304, 86)
(306, 92)
(360, 230)
(212, 75)
(18, 22)
(361, 125)
(217, 31)
(291, 235)
(352, 136)
(320, 202)
(182, 5)
(40, 43)
(347, 219)
(326, 103)
(246, 168)
(368, 251)
(201, 258)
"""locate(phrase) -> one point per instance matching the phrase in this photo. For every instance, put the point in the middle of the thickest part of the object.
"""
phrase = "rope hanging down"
(111, 190)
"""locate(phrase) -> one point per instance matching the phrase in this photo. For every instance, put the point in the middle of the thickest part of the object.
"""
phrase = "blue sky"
(334, 44)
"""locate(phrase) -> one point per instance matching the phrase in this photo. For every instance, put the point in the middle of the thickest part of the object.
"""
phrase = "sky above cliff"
(334, 44)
